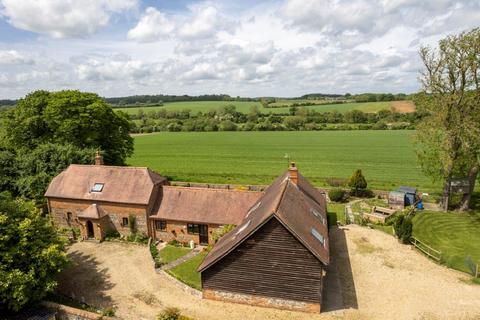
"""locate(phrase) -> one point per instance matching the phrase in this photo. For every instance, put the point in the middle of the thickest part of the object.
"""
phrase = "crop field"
(387, 158)
(245, 106)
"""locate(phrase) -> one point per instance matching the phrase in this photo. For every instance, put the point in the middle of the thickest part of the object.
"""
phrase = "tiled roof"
(205, 205)
(296, 206)
(93, 211)
(131, 185)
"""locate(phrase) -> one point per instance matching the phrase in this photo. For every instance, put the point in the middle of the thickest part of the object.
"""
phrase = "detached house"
(97, 198)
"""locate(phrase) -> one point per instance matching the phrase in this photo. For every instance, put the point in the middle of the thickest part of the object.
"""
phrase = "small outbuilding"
(403, 197)
(276, 256)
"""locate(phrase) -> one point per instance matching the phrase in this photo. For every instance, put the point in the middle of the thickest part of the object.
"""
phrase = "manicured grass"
(187, 271)
(172, 253)
(386, 158)
(384, 228)
(336, 212)
(245, 106)
(456, 235)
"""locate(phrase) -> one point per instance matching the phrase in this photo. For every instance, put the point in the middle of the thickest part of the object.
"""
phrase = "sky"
(241, 48)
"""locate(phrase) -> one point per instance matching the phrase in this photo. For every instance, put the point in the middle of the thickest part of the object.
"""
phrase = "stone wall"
(60, 207)
(69, 313)
(261, 301)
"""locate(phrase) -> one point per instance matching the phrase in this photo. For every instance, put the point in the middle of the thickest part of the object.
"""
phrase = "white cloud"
(13, 57)
(62, 18)
(153, 25)
(205, 22)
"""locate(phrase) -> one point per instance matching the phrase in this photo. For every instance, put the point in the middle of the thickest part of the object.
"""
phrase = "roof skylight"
(255, 207)
(242, 228)
(318, 236)
(97, 187)
(318, 215)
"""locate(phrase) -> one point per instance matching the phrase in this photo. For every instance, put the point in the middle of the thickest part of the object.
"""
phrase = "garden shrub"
(336, 194)
(132, 221)
(112, 234)
(169, 314)
(357, 182)
(174, 242)
(155, 255)
(108, 312)
(403, 228)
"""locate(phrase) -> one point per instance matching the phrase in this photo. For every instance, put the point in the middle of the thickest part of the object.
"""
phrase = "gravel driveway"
(372, 277)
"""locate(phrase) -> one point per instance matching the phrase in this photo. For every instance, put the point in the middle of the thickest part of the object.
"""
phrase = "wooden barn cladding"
(271, 262)
(276, 253)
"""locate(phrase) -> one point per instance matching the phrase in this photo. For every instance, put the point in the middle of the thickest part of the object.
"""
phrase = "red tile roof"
(295, 206)
(131, 185)
(94, 211)
(205, 205)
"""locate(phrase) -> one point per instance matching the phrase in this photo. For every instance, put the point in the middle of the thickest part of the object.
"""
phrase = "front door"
(203, 233)
(90, 233)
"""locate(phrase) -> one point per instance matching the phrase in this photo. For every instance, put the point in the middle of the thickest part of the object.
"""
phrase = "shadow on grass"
(85, 281)
(339, 287)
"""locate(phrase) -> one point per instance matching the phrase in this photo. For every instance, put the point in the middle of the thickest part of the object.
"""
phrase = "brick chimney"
(293, 172)
(98, 158)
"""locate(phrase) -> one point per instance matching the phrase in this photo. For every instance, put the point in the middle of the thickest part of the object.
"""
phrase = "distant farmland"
(245, 106)
(386, 157)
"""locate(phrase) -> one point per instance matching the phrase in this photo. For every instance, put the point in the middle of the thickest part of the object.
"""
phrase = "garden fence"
(472, 266)
(429, 251)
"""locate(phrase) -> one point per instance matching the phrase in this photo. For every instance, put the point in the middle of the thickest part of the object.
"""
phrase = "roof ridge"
(212, 189)
(109, 166)
(277, 205)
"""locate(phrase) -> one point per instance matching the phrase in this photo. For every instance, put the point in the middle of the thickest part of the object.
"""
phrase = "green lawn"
(245, 106)
(187, 271)
(456, 235)
(336, 212)
(386, 158)
(171, 253)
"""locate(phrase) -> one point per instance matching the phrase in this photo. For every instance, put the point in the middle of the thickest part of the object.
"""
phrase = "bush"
(336, 194)
(155, 255)
(112, 234)
(108, 312)
(169, 314)
(138, 238)
(403, 228)
(365, 193)
(174, 242)
(357, 182)
(132, 223)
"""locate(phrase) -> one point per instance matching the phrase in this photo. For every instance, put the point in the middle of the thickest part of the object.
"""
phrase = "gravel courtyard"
(372, 277)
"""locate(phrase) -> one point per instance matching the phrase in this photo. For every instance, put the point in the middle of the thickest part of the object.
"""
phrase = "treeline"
(161, 98)
(298, 119)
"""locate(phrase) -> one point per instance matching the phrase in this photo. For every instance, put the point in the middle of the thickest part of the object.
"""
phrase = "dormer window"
(97, 187)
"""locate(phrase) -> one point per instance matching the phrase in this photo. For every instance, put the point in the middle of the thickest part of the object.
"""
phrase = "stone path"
(349, 211)
(182, 259)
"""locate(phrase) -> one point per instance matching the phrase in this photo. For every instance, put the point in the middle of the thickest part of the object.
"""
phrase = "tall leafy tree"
(68, 117)
(448, 139)
(35, 169)
(31, 254)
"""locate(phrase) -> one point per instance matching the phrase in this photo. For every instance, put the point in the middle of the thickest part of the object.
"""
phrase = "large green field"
(386, 157)
(243, 106)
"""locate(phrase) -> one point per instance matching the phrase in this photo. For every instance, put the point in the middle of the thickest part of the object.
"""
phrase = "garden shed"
(396, 200)
(410, 194)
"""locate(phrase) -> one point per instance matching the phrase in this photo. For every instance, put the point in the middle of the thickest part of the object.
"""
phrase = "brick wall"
(116, 212)
(261, 301)
(178, 230)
